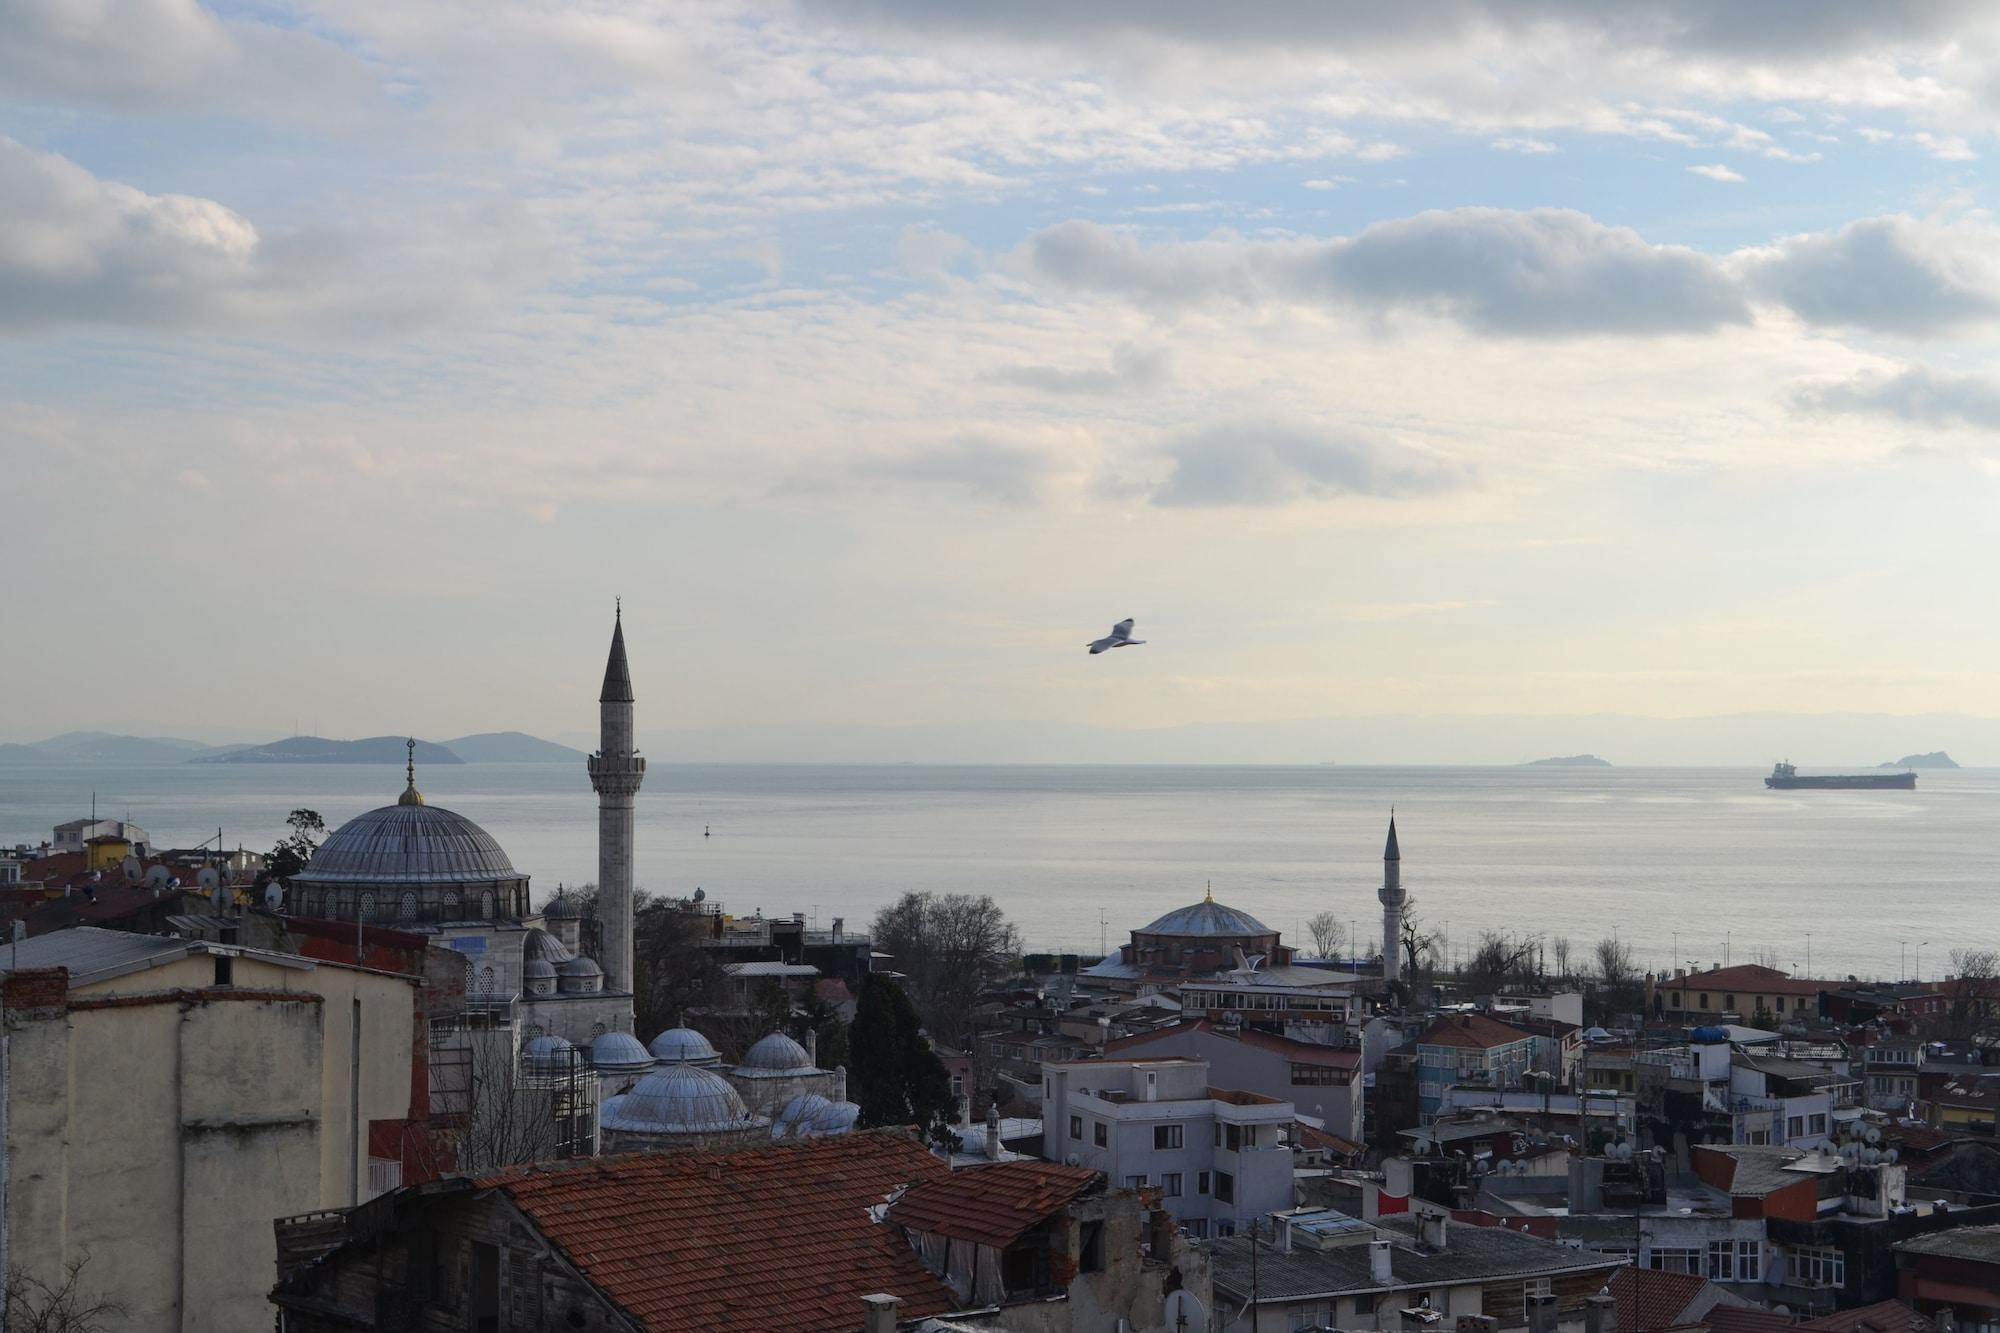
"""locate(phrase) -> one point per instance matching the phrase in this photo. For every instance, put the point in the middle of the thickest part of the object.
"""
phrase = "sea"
(1695, 867)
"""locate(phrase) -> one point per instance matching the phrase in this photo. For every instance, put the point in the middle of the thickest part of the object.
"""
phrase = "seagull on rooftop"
(1119, 637)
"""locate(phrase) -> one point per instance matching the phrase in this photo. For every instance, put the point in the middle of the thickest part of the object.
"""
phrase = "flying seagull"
(1119, 637)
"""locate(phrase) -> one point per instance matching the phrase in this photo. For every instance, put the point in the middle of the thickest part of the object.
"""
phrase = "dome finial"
(411, 796)
(1209, 897)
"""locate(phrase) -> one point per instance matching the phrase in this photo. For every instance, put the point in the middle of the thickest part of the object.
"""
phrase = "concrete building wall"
(1246, 1068)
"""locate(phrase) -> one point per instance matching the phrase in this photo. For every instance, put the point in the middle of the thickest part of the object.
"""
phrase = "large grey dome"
(682, 1046)
(679, 1099)
(1206, 919)
(408, 844)
(776, 1054)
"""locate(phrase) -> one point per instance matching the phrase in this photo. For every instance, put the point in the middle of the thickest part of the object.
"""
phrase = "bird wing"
(1099, 645)
(1123, 629)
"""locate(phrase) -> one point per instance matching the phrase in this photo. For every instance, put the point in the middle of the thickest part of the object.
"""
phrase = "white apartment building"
(1218, 1157)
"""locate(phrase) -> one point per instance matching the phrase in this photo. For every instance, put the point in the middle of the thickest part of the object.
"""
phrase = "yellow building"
(106, 853)
(166, 1099)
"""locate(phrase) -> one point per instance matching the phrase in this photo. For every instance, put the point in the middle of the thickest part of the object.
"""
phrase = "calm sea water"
(1687, 863)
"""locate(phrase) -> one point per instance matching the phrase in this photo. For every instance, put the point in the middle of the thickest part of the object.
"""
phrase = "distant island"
(320, 750)
(1569, 761)
(512, 747)
(1935, 759)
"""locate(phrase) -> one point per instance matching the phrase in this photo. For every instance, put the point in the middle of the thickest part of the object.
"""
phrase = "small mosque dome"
(838, 1118)
(799, 1116)
(619, 1053)
(1206, 919)
(562, 907)
(539, 969)
(777, 1054)
(679, 1099)
(547, 1057)
(539, 945)
(579, 976)
(682, 1046)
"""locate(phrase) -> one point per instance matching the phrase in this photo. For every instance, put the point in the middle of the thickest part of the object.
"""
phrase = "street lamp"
(1920, 961)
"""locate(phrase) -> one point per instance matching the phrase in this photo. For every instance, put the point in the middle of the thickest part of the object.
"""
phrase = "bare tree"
(31, 1305)
(949, 947)
(1501, 960)
(1418, 945)
(1559, 951)
(510, 1121)
(1618, 976)
(1327, 934)
(1972, 993)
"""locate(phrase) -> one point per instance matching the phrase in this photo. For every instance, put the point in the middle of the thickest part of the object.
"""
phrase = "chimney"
(1542, 1314)
(839, 923)
(880, 1316)
(1380, 1269)
(993, 1132)
(1600, 1313)
(1432, 1229)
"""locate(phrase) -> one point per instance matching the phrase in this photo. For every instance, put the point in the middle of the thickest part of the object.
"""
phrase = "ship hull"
(1865, 781)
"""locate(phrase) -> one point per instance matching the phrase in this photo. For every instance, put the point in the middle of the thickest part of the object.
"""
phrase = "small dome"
(679, 1099)
(548, 1056)
(682, 1046)
(798, 1116)
(619, 1053)
(579, 967)
(777, 1054)
(562, 907)
(536, 969)
(1205, 919)
(540, 944)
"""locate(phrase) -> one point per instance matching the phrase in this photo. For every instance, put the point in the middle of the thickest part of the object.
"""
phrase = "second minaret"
(616, 771)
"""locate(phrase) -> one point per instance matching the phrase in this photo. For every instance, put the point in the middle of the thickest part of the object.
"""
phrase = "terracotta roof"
(1474, 1032)
(1881, 1317)
(1749, 978)
(1304, 1052)
(1321, 1140)
(1649, 1299)
(1746, 1319)
(769, 1238)
(991, 1205)
(107, 900)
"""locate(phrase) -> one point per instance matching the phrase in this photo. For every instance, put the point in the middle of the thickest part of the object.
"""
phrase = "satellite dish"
(274, 896)
(157, 876)
(1184, 1312)
(209, 877)
(133, 868)
(1073, 1160)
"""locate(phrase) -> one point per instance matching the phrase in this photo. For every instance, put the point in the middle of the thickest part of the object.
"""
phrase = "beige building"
(165, 1099)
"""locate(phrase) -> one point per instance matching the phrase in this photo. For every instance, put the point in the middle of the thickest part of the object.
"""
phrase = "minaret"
(1393, 898)
(616, 771)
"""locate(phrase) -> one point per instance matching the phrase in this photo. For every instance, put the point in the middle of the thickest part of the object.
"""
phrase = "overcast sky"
(1453, 357)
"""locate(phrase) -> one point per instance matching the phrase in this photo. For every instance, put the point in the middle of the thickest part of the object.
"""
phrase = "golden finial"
(1211, 892)
(411, 796)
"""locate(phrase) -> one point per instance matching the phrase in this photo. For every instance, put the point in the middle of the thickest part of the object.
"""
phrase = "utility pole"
(1255, 1314)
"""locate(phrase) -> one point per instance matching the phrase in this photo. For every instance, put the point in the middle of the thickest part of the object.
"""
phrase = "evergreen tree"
(897, 1077)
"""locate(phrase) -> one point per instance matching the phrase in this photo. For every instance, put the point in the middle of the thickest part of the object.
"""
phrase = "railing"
(384, 1174)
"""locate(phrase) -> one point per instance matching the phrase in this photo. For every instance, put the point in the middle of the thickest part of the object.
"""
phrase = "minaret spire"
(1393, 901)
(410, 796)
(616, 771)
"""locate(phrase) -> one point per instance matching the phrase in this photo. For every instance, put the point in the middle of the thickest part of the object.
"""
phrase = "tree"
(510, 1121)
(673, 969)
(291, 853)
(1559, 951)
(1327, 935)
(1417, 944)
(31, 1305)
(896, 1077)
(1619, 976)
(830, 1047)
(1501, 960)
(1972, 993)
(949, 947)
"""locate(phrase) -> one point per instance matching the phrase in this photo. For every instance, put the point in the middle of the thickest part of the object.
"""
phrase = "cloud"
(1542, 273)
(75, 249)
(1892, 274)
(1329, 182)
(1261, 463)
(997, 471)
(1529, 146)
(1717, 172)
(1917, 395)
(1132, 368)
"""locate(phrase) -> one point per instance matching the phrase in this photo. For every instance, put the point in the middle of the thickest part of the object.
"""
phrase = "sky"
(1452, 357)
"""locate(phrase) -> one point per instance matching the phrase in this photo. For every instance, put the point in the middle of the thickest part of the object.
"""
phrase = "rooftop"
(1881, 1317)
(1474, 1032)
(1207, 918)
(1980, 1244)
(1751, 979)
(1472, 1254)
(1650, 1299)
(94, 954)
(991, 1205)
(408, 844)
(779, 1237)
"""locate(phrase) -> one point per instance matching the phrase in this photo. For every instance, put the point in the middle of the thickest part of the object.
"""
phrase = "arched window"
(597, 1029)
(451, 904)
(407, 908)
(486, 904)
(485, 983)
(364, 910)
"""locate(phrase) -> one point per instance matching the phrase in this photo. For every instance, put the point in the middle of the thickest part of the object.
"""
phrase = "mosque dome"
(547, 1057)
(619, 1053)
(408, 844)
(538, 969)
(540, 946)
(777, 1054)
(799, 1115)
(682, 1046)
(579, 967)
(679, 1099)
(1206, 919)
(562, 907)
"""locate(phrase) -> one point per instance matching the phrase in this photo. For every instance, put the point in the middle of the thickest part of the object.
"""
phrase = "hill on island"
(320, 750)
(103, 747)
(1569, 761)
(1935, 759)
(512, 747)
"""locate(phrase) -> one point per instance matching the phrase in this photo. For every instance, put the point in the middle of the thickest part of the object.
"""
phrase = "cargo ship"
(1786, 777)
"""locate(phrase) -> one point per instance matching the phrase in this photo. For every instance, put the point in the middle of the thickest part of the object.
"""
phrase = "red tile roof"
(1746, 1319)
(1324, 1142)
(1649, 1299)
(1474, 1032)
(992, 1205)
(769, 1238)
(1750, 978)
(1882, 1317)
(1304, 1052)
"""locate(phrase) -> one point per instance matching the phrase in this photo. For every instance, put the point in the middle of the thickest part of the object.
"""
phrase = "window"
(1311, 1316)
(486, 906)
(1166, 1137)
(1314, 1076)
(1232, 1137)
(1097, 1134)
(1735, 1261)
(1704, 999)
(1225, 1227)
(1795, 1127)
(1135, 1182)
(1534, 1289)
(1816, 1124)
(1813, 1267)
(451, 904)
(1674, 1260)
(406, 907)
(1201, 1182)
(1170, 1185)
(365, 909)
(1800, 1003)
(1218, 1133)
(1225, 1187)
(1090, 1248)
(1076, 1127)
(1197, 1227)
(1729, 1002)
(1758, 1138)
(1680, 1000)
